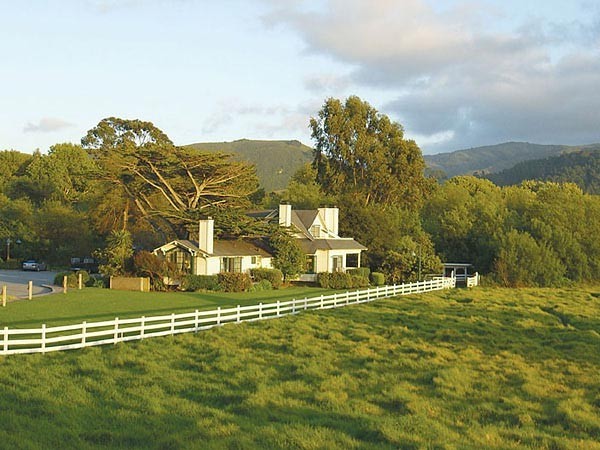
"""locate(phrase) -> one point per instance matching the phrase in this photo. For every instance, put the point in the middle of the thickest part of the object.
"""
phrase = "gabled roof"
(223, 247)
(310, 246)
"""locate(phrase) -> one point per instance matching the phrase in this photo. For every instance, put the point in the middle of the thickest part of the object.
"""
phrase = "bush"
(71, 279)
(200, 283)
(274, 276)
(262, 285)
(360, 271)
(341, 280)
(13, 264)
(378, 278)
(234, 282)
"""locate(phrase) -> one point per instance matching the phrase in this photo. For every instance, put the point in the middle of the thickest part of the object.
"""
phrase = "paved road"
(16, 282)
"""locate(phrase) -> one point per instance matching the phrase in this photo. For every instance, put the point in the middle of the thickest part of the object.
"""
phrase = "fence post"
(4, 295)
(196, 325)
(83, 333)
(218, 315)
(260, 312)
(30, 290)
(238, 318)
(278, 313)
(80, 281)
(5, 339)
(142, 326)
(172, 323)
(65, 284)
(321, 301)
(43, 338)
(294, 306)
(305, 303)
(116, 336)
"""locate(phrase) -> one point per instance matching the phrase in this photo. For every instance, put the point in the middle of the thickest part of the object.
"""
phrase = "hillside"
(275, 161)
(495, 158)
(466, 369)
(581, 168)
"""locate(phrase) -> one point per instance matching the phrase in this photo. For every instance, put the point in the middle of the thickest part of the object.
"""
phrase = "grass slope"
(494, 158)
(487, 368)
(275, 161)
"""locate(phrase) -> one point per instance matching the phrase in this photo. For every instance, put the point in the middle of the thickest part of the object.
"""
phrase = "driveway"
(16, 282)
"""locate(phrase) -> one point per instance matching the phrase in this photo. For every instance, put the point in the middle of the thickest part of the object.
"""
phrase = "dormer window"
(315, 231)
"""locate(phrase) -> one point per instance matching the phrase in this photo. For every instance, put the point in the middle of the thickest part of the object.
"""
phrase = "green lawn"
(486, 368)
(95, 304)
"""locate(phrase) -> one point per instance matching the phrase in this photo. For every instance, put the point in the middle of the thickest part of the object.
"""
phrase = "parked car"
(32, 264)
(86, 263)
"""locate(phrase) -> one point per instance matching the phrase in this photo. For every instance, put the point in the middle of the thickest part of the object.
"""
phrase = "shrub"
(274, 276)
(147, 264)
(341, 280)
(378, 278)
(234, 282)
(200, 283)
(71, 279)
(262, 285)
(360, 271)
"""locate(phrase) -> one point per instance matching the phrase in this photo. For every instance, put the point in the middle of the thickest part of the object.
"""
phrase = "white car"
(32, 264)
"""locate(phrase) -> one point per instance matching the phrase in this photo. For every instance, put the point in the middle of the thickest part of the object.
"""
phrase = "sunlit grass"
(488, 368)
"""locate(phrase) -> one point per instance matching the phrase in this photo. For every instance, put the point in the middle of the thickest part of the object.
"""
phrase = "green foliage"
(72, 280)
(195, 283)
(303, 191)
(146, 264)
(377, 278)
(274, 276)
(341, 280)
(288, 256)
(360, 152)
(234, 282)
(581, 168)
(262, 285)
(275, 161)
(360, 271)
(118, 253)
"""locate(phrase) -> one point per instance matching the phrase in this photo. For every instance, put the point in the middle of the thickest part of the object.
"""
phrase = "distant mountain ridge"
(581, 168)
(275, 161)
(495, 158)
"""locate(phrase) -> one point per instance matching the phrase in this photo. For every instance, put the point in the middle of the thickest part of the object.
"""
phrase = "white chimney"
(285, 215)
(206, 234)
(331, 218)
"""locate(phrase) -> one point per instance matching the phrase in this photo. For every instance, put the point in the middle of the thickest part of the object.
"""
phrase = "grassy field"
(487, 368)
(95, 304)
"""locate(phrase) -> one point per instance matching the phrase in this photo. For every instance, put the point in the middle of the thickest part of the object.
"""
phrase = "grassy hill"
(468, 369)
(495, 158)
(275, 161)
(581, 168)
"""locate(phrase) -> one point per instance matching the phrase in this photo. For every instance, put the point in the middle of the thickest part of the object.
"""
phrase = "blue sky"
(454, 74)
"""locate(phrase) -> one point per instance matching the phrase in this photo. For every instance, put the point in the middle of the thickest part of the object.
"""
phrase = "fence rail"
(87, 334)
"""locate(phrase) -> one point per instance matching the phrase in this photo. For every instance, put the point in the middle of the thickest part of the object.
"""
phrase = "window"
(253, 259)
(315, 231)
(337, 263)
(231, 264)
(309, 264)
(352, 260)
(182, 260)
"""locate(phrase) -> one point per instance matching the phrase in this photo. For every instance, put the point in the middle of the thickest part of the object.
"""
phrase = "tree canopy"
(360, 151)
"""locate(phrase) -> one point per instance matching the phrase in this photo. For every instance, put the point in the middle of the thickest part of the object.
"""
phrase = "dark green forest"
(127, 183)
(581, 168)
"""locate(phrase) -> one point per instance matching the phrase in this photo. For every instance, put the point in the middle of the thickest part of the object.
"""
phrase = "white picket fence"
(473, 280)
(49, 339)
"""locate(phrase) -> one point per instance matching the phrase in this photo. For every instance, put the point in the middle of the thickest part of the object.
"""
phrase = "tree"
(169, 185)
(360, 151)
(118, 253)
(303, 191)
(289, 257)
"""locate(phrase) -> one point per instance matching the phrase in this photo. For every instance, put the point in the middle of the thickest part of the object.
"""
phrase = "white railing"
(473, 280)
(49, 339)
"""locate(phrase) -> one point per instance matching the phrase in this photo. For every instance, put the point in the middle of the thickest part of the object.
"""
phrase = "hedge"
(341, 280)
(262, 285)
(200, 283)
(234, 282)
(378, 278)
(274, 276)
(360, 271)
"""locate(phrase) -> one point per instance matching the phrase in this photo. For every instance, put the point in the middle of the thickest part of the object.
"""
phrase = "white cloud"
(46, 125)
(463, 72)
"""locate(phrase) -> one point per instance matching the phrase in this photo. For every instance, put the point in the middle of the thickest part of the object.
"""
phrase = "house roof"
(225, 247)
(311, 246)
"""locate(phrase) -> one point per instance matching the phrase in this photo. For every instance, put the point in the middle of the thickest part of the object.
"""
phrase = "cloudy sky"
(455, 74)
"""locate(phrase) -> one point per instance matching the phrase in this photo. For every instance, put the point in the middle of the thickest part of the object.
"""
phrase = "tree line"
(127, 180)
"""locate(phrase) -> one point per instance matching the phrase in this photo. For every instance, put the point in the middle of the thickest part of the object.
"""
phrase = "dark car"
(87, 263)
(32, 264)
